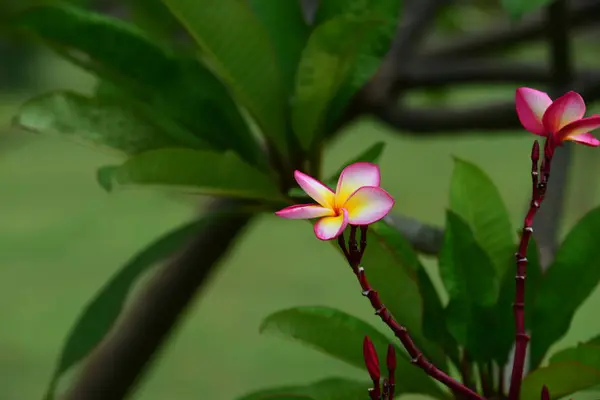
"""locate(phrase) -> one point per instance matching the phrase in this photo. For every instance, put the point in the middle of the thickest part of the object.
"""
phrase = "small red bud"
(535, 151)
(391, 358)
(371, 360)
(545, 393)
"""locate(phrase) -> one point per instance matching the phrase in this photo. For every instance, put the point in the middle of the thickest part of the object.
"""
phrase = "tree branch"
(118, 363)
(580, 15)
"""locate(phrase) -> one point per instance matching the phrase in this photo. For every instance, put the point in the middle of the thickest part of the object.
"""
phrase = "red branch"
(354, 256)
(537, 196)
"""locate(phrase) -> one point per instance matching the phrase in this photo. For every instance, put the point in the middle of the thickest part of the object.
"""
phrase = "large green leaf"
(100, 123)
(562, 378)
(434, 318)
(568, 282)
(372, 49)
(326, 62)
(398, 287)
(238, 47)
(288, 32)
(584, 353)
(341, 335)
(517, 8)
(471, 283)
(475, 198)
(162, 83)
(326, 389)
(155, 19)
(504, 323)
(101, 312)
(195, 171)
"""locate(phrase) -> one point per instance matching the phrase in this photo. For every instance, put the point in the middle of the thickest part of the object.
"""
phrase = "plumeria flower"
(560, 120)
(358, 200)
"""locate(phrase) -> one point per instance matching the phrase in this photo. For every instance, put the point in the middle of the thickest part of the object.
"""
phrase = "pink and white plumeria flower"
(559, 120)
(358, 200)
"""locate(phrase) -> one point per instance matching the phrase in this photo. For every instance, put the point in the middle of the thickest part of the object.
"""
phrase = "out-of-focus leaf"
(101, 312)
(434, 316)
(471, 283)
(104, 176)
(155, 19)
(288, 32)
(326, 389)
(569, 280)
(372, 49)
(562, 378)
(475, 198)
(584, 353)
(341, 335)
(182, 89)
(195, 171)
(518, 8)
(238, 47)
(326, 63)
(504, 323)
(99, 123)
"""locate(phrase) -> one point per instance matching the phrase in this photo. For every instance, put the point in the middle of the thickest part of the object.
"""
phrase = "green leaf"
(288, 32)
(471, 283)
(104, 176)
(504, 323)
(568, 282)
(398, 287)
(100, 123)
(238, 47)
(181, 89)
(434, 318)
(518, 8)
(326, 389)
(325, 64)
(562, 378)
(155, 19)
(341, 335)
(584, 353)
(475, 198)
(100, 313)
(373, 48)
(199, 172)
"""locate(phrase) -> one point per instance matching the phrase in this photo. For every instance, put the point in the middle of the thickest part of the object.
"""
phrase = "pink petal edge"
(328, 228)
(304, 211)
(587, 139)
(578, 128)
(566, 109)
(368, 204)
(531, 105)
(315, 189)
(355, 176)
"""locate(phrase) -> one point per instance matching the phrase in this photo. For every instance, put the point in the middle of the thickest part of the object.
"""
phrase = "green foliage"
(238, 47)
(326, 62)
(199, 172)
(517, 8)
(326, 389)
(472, 285)
(288, 32)
(570, 279)
(101, 312)
(341, 336)
(434, 318)
(475, 198)
(373, 47)
(180, 90)
(101, 123)
(562, 378)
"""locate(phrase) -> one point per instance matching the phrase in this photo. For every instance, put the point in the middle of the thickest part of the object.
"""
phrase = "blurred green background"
(62, 237)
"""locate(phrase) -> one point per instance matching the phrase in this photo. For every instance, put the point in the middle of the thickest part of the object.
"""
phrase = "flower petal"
(586, 139)
(315, 189)
(353, 177)
(328, 228)
(305, 211)
(566, 109)
(368, 204)
(579, 127)
(531, 105)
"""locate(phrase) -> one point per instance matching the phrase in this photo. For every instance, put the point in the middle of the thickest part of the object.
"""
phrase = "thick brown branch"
(114, 368)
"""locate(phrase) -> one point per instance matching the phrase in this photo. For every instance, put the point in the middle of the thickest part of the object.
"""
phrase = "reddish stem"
(354, 255)
(537, 196)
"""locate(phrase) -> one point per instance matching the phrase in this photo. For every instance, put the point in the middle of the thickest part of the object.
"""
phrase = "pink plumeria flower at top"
(358, 200)
(560, 120)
